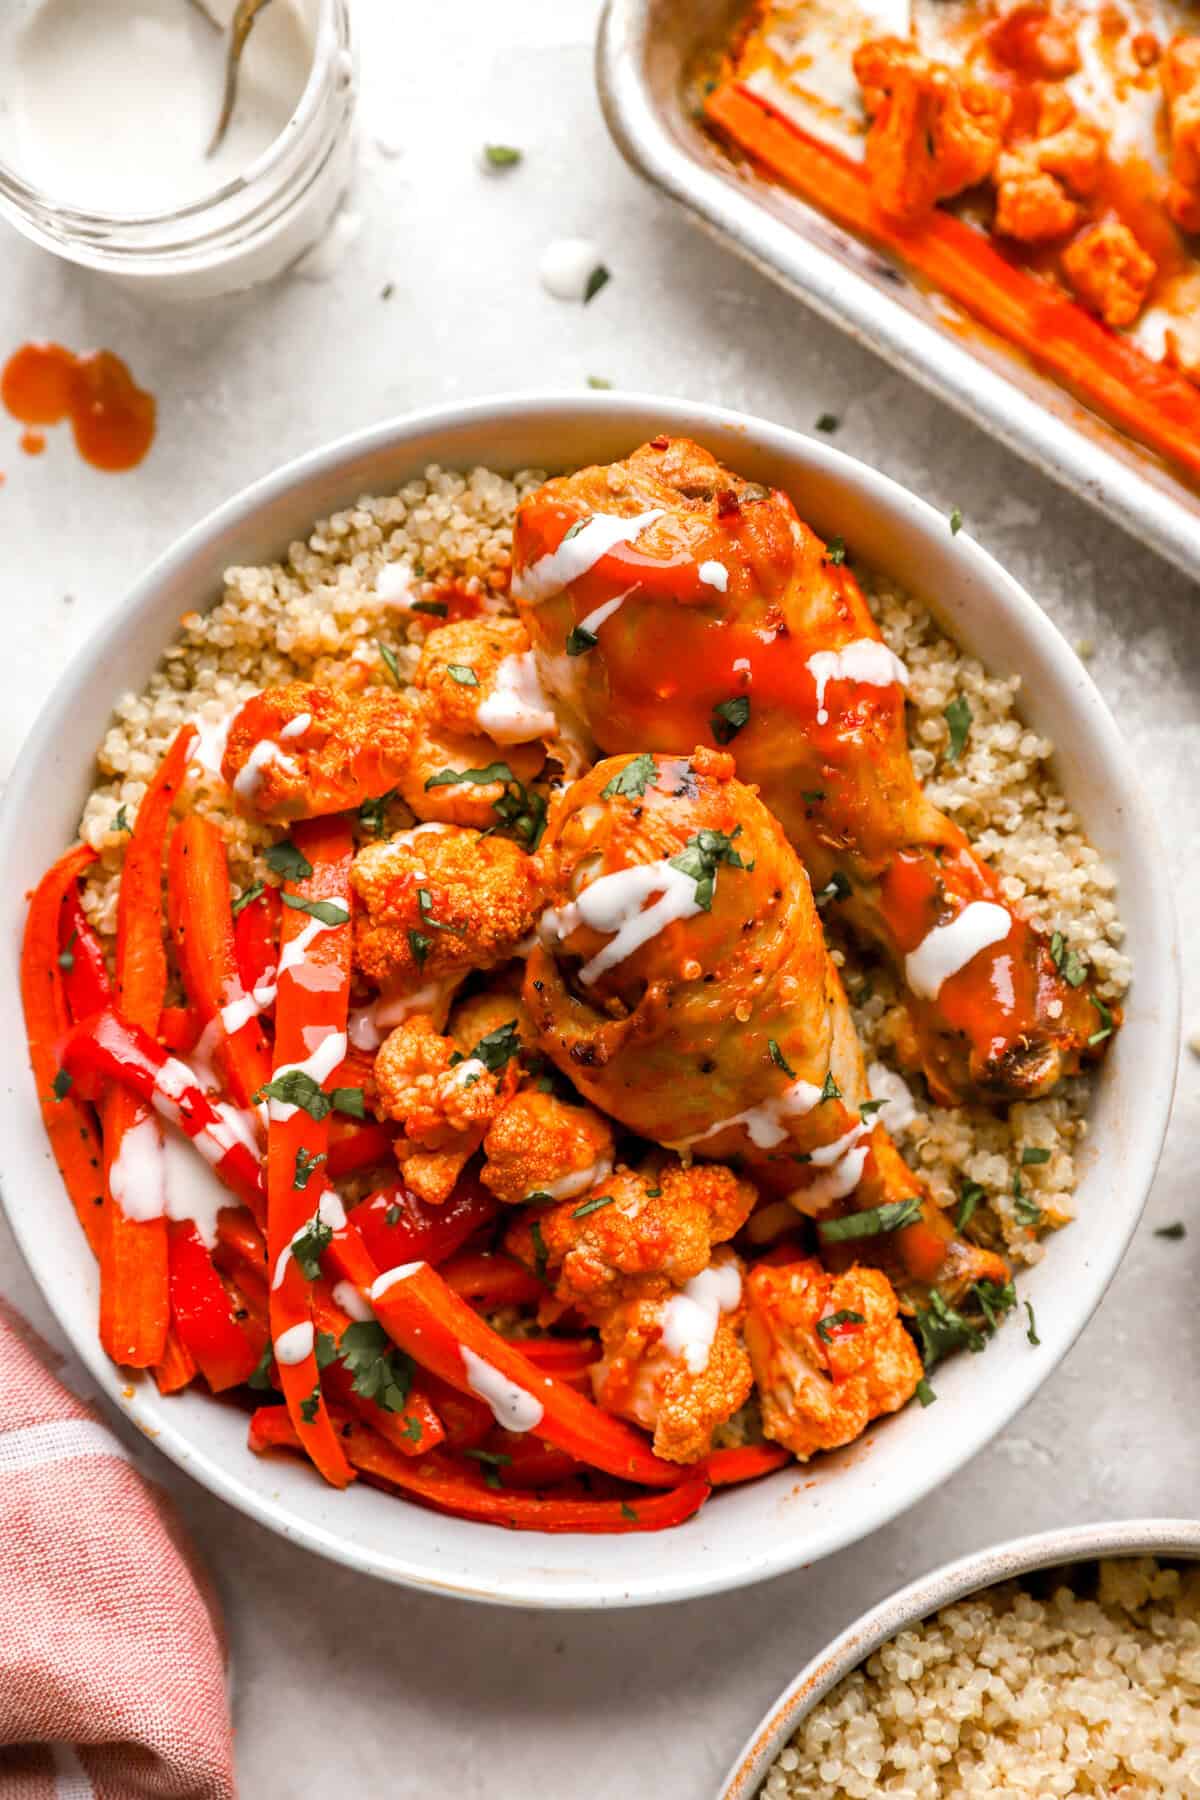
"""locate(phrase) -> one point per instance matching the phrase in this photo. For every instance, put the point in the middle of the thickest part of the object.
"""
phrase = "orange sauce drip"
(33, 442)
(112, 419)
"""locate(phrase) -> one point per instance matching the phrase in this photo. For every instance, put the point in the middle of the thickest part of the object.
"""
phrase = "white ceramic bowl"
(797, 1515)
(1170, 1538)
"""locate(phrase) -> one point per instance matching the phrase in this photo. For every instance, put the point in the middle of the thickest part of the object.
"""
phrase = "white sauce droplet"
(511, 1406)
(949, 948)
(297, 727)
(390, 1277)
(689, 1320)
(369, 1025)
(564, 267)
(294, 1344)
(347, 1296)
(394, 584)
(579, 552)
(866, 661)
(517, 710)
(716, 575)
(616, 903)
(899, 1109)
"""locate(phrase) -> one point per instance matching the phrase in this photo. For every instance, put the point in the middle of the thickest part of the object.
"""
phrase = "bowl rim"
(557, 410)
(957, 1580)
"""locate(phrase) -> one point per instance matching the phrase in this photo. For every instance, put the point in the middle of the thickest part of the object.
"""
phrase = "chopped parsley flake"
(827, 1326)
(702, 856)
(831, 1090)
(305, 1164)
(371, 813)
(308, 1247)
(598, 381)
(520, 810)
(463, 674)
(627, 1511)
(287, 862)
(779, 1059)
(1032, 1154)
(1176, 1230)
(1070, 965)
(872, 1223)
(381, 1372)
(296, 1087)
(869, 1107)
(498, 1047)
(956, 521)
(121, 820)
(828, 422)
(591, 1206)
(835, 551)
(247, 896)
(261, 1376)
(972, 1194)
(393, 1215)
(420, 945)
(1106, 1021)
(958, 717)
(502, 156)
(62, 1085)
(1032, 1333)
(310, 1407)
(328, 911)
(393, 667)
(837, 888)
(729, 718)
(66, 956)
(633, 779)
(580, 640)
(925, 1393)
(598, 278)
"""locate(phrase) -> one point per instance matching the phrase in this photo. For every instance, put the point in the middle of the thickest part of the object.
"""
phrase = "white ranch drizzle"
(158, 1175)
(390, 1277)
(331, 1212)
(297, 727)
(689, 1319)
(605, 610)
(764, 1124)
(866, 661)
(347, 1296)
(715, 575)
(578, 1181)
(138, 1177)
(948, 948)
(841, 1164)
(295, 952)
(329, 1054)
(517, 710)
(369, 1025)
(249, 778)
(899, 1109)
(578, 553)
(511, 1406)
(616, 903)
(294, 1344)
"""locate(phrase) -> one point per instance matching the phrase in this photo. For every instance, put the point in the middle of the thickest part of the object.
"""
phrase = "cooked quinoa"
(1011, 1694)
(317, 615)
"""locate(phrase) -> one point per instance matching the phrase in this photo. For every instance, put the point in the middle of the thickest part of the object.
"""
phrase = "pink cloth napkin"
(112, 1668)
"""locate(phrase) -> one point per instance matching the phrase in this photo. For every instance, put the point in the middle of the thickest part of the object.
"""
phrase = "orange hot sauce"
(112, 419)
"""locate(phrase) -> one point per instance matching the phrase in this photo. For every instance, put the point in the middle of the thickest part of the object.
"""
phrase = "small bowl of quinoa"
(1064, 1664)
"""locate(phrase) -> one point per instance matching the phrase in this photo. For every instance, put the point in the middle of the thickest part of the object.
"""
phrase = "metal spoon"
(243, 20)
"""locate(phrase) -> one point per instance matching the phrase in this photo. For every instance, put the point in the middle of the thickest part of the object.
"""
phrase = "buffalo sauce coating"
(666, 666)
(112, 419)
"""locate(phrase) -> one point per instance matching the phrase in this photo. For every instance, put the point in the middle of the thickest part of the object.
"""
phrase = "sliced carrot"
(177, 1367)
(724, 1468)
(70, 1124)
(1153, 403)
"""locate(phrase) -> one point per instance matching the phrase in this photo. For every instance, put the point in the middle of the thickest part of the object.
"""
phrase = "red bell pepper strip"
(490, 1278)
(396, 1227)
(201, 920)
(70, 1123)
(306, 1016)
(448, 1486)
(413, 1431)
(179, 1029)
(353, 1146)
(567, 1359)
(746, 1463)
(525, 1462)
(109, 1049)
(225, 1352)
(81, 959)
(256, 939)
(178, 1365)
(466, 1420)
(134, 1298)
(426, 1318)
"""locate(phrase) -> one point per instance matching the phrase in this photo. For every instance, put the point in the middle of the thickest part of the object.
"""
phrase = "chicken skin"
(701, 608)
(683, 983)
(829, 1353)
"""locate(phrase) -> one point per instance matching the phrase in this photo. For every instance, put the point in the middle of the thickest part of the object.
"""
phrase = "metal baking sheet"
(648, 54)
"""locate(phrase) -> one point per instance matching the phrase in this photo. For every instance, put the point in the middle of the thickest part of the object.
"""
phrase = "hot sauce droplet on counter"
(112, 418)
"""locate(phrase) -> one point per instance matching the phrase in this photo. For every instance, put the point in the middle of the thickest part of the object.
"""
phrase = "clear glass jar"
(245, 231)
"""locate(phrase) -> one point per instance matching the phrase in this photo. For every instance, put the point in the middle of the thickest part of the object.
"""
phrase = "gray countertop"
(342, 1685)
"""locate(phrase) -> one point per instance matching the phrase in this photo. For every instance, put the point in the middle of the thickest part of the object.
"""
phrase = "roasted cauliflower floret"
(1110, 271)
(819, 1390)
(934, 132)
(302, 751)
(673, 1361)
(1036, 40)
(481, 677)
(662, 1220)
(444, 1106)
(1036, 178)
(541, 1146)
(437, 901)
(443, 778)
(1181, 87)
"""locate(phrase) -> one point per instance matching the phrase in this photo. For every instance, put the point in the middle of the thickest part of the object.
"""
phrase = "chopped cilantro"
(837, 888)
(1031, 1154)
(995, 1299)
(121, 820)
(1176, 1230)
(412, 1429)
(956, 521)
(869, 1107)
(598, 381)
(573, 530)
(463, 674)
(381, 1372)
(393, 1215)
(371, 813)
(872, 1223)
(627, 1511)
(325, 1349)
(393, 667)
(972, 1194)
(580, 640)
(522, 811)
(831, 1090)
(1106, 1021)
(1032, 1333)
(1070, 965)
(311, 1406)
(309, 1245)
(62, 1085)
(835, 551)
(296, 1087)
(305, 1164)
(437, 608)
(729, 718)
(633, 779)
(247, 896)
(591, 1206)
(828, 1325)
(502, 156)
(828, 422)
(598, 278)
(425, 904)
(328, 911)
(958, 717)
(779, 1059)
(420, 945)
(66, 956)
(925, 1393)
(350, 1101)
(287, 862)
(943, 1328)
(261, 1376)
(498, 1047)
(702, 856)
